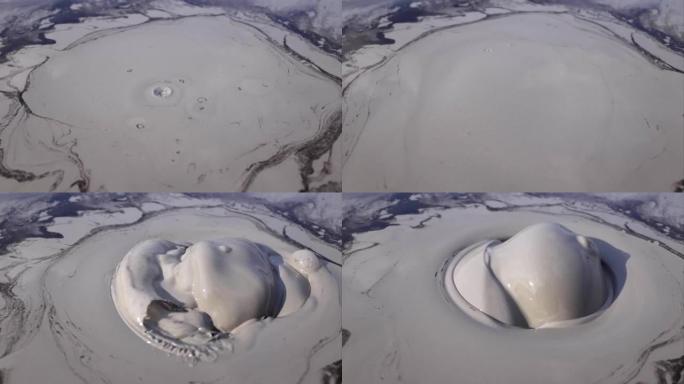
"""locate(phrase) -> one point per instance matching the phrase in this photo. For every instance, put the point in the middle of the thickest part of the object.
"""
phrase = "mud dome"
(128, 108)
(404, 326)
(544, 276)
(514, 102)
(173, 294)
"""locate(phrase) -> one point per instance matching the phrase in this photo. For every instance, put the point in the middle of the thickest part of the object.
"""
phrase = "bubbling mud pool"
(178, 296)
(513, 288)
(141, 94)
(472, 101)
(174, 289)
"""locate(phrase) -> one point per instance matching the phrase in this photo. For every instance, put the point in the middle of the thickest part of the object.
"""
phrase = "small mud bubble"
(163, 92)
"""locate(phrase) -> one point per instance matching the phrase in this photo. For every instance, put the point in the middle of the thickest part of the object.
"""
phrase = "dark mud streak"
(345, 336)
(332, 373)
(86, 356)
(317, 347)
(24, 110)
(660, 366)
(18, 175)
(422, 222)
(287, 50)
(14, 310)
(83, 183)
(316, 148)
(662, 64)
(18, 322)
(670, 371)
(380, 280)
(305, 153)
(348, 254)
(292, 52)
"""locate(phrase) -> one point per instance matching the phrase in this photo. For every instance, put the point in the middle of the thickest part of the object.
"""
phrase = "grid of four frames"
(341, 191)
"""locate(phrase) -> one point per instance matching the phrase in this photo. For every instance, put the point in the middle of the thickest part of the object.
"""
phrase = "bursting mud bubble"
(169, 288)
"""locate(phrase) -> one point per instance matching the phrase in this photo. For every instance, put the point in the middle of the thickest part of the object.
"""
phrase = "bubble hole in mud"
(545, 276)
(182, 295)
(163, 92)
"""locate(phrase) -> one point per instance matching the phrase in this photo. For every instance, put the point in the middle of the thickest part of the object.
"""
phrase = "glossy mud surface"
(401, 324)
(59, 322)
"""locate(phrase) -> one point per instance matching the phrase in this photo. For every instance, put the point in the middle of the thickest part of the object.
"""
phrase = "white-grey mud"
(402, 326)
(59, 323)
(514, 96)
(168, 96)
